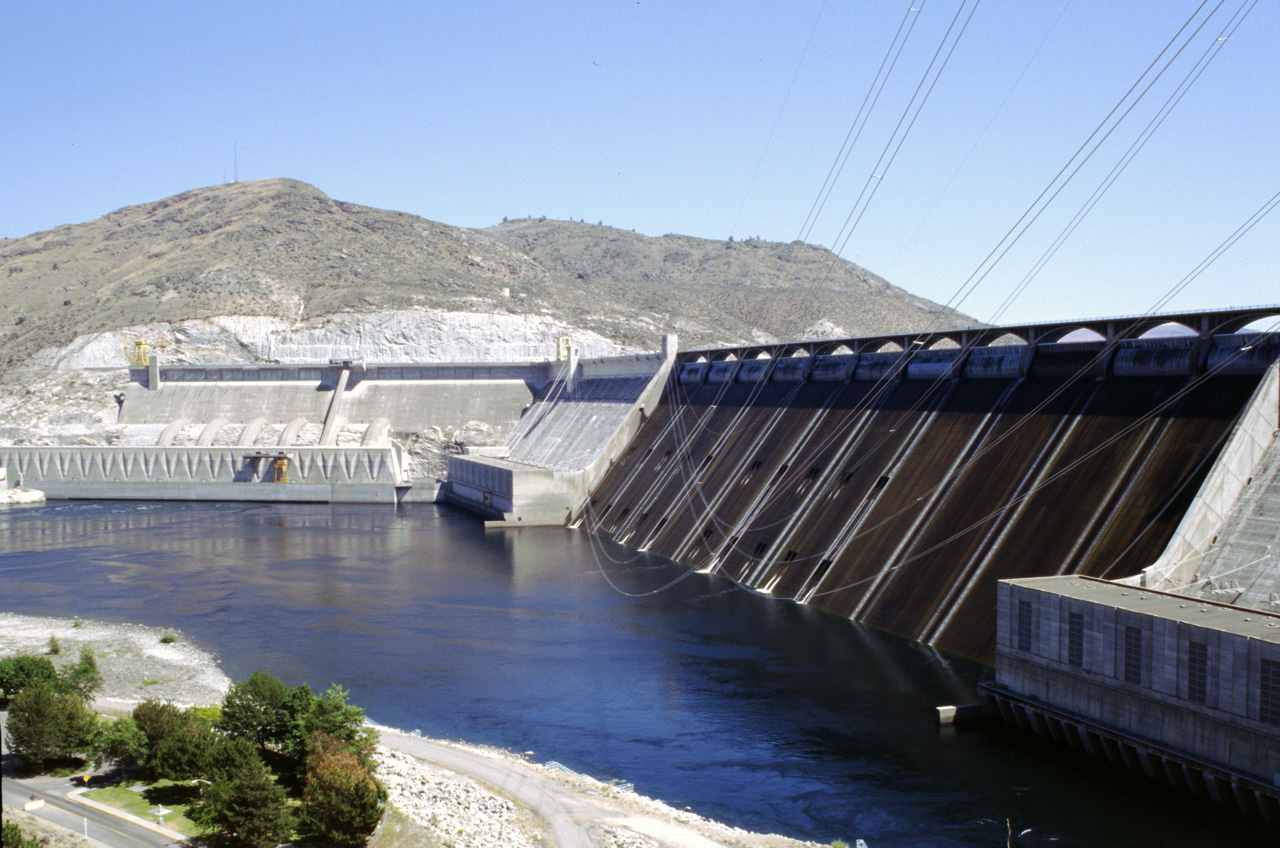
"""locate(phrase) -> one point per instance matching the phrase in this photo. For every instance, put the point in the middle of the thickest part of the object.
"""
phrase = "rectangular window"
(1133, 655)
(1198, 672)
(1075, 639)
(1024, 626)
(1269, 697)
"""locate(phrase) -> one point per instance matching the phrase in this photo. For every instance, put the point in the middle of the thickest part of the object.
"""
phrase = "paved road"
(559, 808)
(62, 811)
(79, 818)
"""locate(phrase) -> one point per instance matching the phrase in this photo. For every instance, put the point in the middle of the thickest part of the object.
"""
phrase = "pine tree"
(83, 678)
(248, 805)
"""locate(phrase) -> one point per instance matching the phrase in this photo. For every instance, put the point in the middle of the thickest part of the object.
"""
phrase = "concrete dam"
(893, 480)
(897, 488)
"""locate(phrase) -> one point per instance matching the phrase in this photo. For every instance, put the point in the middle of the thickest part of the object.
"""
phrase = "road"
(80, 818)
(64, 812)
(558, 808)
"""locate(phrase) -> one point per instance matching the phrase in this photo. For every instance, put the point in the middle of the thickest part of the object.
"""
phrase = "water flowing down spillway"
(901, 502)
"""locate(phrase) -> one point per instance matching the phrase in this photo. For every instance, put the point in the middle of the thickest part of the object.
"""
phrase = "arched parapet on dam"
(1237, 322)
(993, 355)
(1201, 323)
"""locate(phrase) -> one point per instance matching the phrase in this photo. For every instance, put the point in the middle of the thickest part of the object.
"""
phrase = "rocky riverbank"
(455, 805)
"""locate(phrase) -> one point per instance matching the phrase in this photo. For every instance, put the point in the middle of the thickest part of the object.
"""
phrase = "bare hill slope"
(284, 249)
(725, 291)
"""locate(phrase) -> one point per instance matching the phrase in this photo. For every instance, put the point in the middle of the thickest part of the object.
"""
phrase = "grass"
(169, 794)
(168, 638)
(150, 682)
(400, 831)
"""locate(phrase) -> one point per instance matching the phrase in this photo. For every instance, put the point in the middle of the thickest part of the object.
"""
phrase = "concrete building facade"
(1185, 690)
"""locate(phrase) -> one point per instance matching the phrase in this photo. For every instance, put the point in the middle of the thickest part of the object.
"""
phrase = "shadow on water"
(757, 711)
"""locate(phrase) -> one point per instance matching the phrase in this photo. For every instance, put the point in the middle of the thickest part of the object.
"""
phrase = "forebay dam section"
(893, 480)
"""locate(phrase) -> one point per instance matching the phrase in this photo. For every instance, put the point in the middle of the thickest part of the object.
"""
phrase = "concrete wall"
(1225, 731)
(236, 401)
(414, 398)
(567, 440)
(1234, 469)
(209, 473)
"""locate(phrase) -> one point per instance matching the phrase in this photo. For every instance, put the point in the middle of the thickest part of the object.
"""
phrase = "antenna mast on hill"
(235, 158)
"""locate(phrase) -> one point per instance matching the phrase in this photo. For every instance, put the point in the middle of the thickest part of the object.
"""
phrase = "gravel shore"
(134, 663)
(452, 807)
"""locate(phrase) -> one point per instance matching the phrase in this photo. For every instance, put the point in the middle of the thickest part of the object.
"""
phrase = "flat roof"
(1241, 621)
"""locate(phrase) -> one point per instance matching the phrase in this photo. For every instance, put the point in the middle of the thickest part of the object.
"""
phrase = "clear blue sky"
(708, 119)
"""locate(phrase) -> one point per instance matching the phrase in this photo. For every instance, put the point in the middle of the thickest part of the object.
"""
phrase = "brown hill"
(285, 249)
(724, 291)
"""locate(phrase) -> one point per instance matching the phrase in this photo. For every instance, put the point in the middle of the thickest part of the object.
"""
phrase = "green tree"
(157, 720)
(332, 715)
(293, 722)
(208, 716)
(342, 803)
(252, 709)
(83, 678)
(121, 741)
(45, 724)
(185, 753)
(249, 805)
(231, 756)
(17, 673)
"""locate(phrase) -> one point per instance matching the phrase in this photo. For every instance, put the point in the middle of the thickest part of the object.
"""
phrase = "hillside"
(724, 291)
(283, 250)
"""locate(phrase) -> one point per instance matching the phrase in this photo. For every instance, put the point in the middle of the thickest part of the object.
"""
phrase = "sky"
(710, 119)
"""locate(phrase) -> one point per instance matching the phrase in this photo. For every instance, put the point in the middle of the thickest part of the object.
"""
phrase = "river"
(749, 709)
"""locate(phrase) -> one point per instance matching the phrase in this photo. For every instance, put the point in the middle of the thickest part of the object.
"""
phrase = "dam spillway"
(897, 489)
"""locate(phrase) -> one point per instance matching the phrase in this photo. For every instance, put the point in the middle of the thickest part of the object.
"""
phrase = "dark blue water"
(749, 709)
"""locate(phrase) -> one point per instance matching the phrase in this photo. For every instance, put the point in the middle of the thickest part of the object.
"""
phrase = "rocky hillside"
(723, 291)
(282, 253)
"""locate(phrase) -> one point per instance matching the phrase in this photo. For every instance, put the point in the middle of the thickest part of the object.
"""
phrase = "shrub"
(168, 639)
(14, 837)
(54, 647)
(208, 716)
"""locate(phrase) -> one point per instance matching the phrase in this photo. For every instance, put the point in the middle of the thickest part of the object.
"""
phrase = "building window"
(1024, 626)
(1075, 639)
(1198, 672)
(1133, 655)
(1269, 698)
